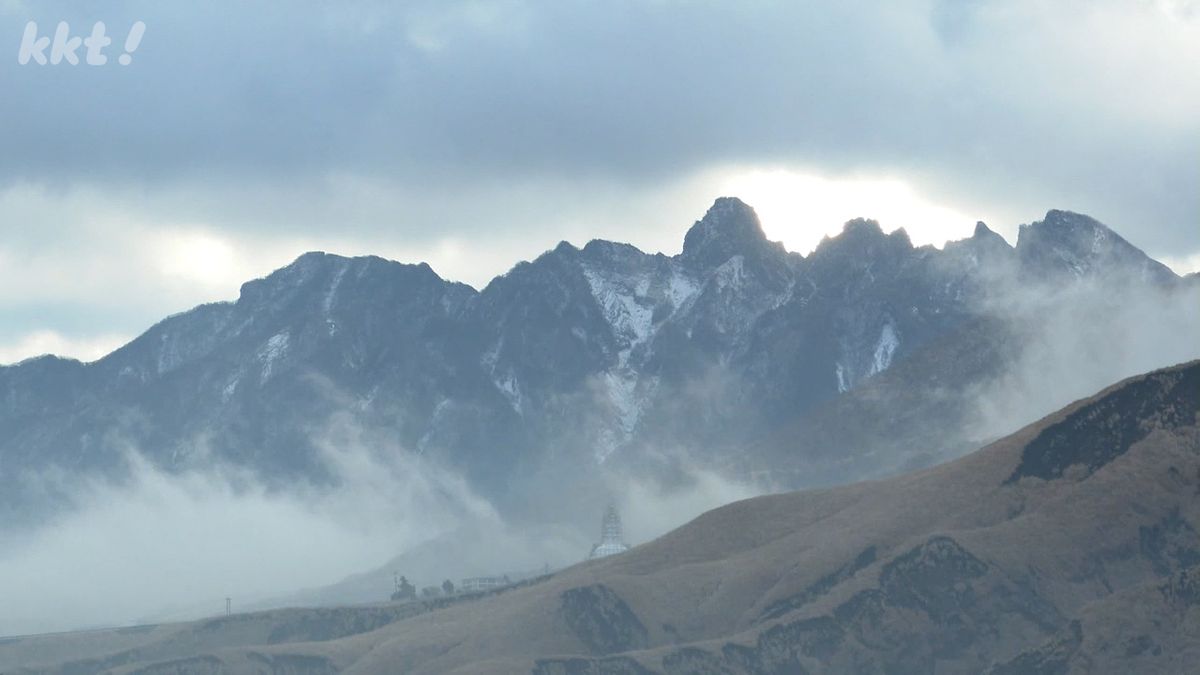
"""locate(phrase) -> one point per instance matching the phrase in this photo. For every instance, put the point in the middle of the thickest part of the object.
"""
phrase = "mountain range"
(860, 359)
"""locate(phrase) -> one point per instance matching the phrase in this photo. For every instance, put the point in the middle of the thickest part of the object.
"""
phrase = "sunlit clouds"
(800, 208)
(472, 135)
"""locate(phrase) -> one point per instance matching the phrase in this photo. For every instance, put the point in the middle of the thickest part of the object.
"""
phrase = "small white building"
(610, 536)
(480, 584)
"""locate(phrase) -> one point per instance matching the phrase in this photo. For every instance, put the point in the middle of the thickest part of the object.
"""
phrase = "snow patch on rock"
(885, 348)
(622, 391)
(680, 289)
(270, 353)
(512, 391)
(731, 273)
(631, 316)
(435, 421)
(492, 355)
(331, 295)
(628, 301)
(230, 388)
(627, 396)
(842, 384)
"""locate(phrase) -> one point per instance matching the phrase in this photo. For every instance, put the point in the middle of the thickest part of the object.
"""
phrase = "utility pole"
(228, 606)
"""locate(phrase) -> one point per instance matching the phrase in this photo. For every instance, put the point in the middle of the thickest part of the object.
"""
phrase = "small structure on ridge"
(611, 542)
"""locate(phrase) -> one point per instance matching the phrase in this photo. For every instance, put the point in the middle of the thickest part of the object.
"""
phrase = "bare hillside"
(1070, 546)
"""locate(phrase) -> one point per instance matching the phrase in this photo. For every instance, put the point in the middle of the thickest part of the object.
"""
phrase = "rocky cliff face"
(589, 356)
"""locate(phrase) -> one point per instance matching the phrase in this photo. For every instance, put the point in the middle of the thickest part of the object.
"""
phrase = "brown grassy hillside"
(1069, 546)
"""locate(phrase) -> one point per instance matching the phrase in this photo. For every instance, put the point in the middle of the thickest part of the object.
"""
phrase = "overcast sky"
(475, 134)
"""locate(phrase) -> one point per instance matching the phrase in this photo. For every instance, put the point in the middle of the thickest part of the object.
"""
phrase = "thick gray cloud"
(408, 127)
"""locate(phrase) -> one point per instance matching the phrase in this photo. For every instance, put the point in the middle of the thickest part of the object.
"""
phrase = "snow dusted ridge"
(1084, 247)
(578, 354)
(625, 304)
(629, 301)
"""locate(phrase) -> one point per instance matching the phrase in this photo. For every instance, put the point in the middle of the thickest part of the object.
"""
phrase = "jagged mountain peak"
(565, 247)
(729, 228)
(900, 236)
(860, 241)
(606, 323)
(1065, 241)
(1065, 227)
(983, 243)
(862, 227)
(317, 271)
(612, 250)
(563, 251)
(1065, 218)
(563, 254)
(556, 273)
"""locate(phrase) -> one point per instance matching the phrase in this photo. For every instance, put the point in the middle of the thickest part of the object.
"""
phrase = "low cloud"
(158, 545)
(650, 509)
(1080, 338)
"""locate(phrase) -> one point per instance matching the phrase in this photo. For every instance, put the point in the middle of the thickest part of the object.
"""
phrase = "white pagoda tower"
(610, 536)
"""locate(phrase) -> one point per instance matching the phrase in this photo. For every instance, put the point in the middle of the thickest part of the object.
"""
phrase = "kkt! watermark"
(64, 46)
